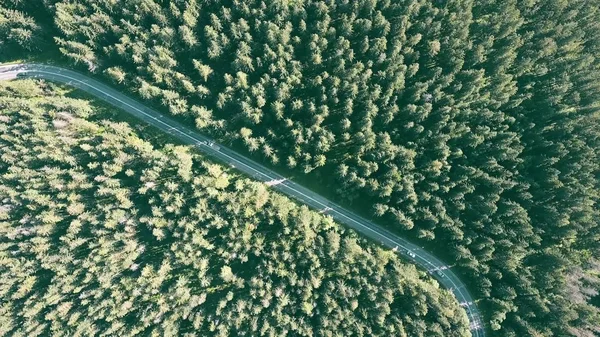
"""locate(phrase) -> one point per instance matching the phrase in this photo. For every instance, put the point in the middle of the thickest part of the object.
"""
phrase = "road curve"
(404, 248)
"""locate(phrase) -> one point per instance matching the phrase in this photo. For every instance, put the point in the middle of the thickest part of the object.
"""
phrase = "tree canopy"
(471, 126)
(101, 233)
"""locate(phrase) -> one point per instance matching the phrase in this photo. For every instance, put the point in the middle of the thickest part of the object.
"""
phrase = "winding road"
(404, 248)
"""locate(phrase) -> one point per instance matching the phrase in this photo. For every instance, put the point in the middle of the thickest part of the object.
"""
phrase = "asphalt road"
(404, 248)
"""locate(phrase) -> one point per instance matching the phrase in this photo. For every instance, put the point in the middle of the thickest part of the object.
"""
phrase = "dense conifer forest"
(470, 126)
(102, 233)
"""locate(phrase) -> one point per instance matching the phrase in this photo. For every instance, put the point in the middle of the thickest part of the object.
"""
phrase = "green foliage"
(17, 31)
(102, 234)
(471, 123)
